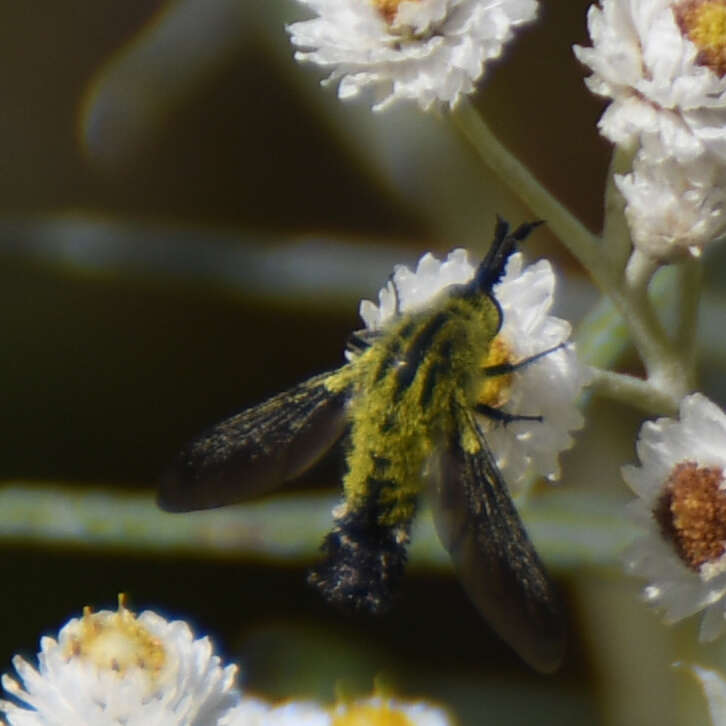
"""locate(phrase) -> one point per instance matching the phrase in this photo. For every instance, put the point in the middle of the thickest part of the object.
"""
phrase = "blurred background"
(187, 224)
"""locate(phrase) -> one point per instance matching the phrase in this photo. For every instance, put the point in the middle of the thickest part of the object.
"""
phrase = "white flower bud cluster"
(662, 64)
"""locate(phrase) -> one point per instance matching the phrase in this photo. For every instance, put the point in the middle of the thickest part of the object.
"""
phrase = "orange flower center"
(115, 642)
(387, 8)
(691, 512)
(703, 22)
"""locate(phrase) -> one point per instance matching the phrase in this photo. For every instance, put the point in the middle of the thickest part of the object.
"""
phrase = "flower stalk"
(635, 392)
(616, 242)
(690, 279)
(667, 369)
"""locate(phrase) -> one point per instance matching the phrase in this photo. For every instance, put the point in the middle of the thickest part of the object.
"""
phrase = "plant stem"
(690, 275)
(633, 391)
(665, 366)
(616, 243)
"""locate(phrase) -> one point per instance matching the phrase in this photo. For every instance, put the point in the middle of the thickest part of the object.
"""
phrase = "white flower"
(674, 208)
(383, 711)
(298, 714)
(116, 669)
(248, 712)
(425, 50)
(251, 712)
(682, 507)
(415, 290)
(547, 387)
(374, 711)
(661, 63)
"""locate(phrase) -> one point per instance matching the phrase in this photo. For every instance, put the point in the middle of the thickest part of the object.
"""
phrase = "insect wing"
(492, 554)
(256, 450)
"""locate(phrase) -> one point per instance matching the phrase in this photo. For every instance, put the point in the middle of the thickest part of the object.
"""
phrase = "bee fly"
(407, 402)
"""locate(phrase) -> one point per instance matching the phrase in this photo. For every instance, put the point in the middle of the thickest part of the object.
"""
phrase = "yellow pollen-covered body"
(407, 389)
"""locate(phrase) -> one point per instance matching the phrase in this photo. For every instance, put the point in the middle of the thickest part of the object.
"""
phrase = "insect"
(406, 401)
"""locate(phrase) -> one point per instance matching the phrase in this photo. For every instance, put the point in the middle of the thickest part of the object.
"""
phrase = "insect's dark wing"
(257, 450)
(492, 554)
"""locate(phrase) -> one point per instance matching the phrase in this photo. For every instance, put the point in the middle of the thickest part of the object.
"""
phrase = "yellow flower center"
(370, 715)
(115, 642)
(495, 390)
(704, 23)
(691, 512)
(387, 8)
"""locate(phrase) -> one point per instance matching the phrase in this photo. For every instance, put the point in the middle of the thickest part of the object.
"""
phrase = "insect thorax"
(406, 388)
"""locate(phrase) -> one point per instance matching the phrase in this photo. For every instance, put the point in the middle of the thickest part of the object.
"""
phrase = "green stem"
(616, 242)
(648, 334)
(690, 276)
(633, 391)
(666, 368)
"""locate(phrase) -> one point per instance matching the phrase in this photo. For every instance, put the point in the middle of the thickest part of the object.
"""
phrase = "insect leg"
(502, 369)
(360, 340)
(497, 414)
(357, 343)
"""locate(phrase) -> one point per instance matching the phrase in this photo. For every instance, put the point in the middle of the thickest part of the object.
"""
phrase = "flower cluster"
(681, 505)
(429, 51)
(548, 387)
(663, 64)
(672, 207)
(116, 669)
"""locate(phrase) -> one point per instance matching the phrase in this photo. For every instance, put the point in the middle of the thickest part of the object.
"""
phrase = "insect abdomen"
(407, 384)
(409, 380)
